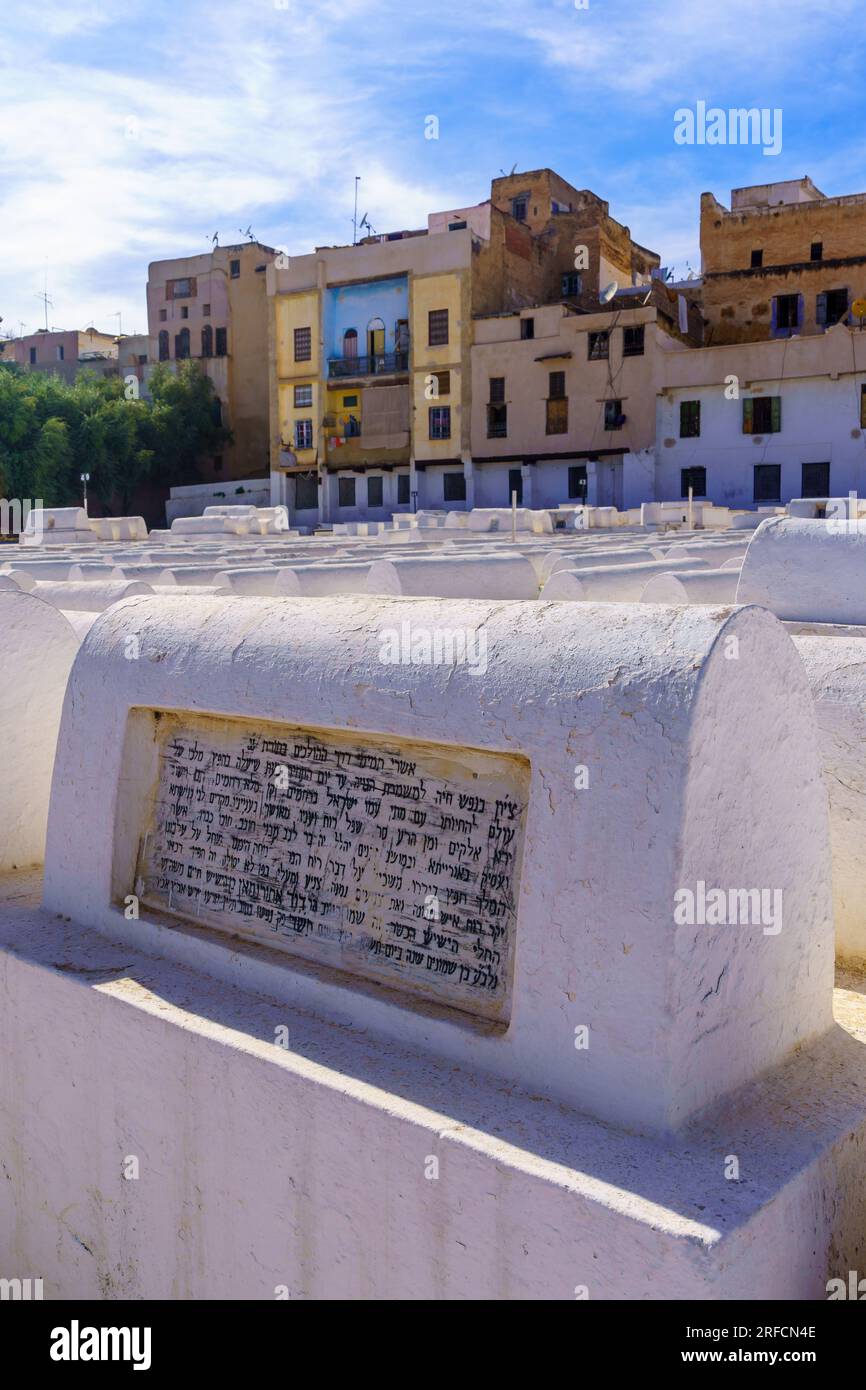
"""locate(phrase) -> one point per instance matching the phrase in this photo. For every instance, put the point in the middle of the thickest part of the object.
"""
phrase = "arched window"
(181, 344)
(207, 341)
(350, 342)
(376, 344)
(163, 345)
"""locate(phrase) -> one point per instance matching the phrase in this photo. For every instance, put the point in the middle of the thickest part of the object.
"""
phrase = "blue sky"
(134, 129)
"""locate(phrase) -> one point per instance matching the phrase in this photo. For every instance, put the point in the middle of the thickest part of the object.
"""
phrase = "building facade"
(64, 353)
(783, 261)
(371, 345)
(563, 403)
(760, 423)
(213, 308)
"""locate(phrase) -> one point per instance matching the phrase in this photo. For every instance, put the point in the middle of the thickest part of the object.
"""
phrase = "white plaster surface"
(807, 570)
(693, 777)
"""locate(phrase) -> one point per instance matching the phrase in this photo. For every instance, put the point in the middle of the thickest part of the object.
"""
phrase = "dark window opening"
(613, 416)
(453, 487)
(571, 285)
(375, 491)
(235, 269)
(768, 482)
(599, 346)
(184, 312)
(632, 341)
(527, 328)
(757, 259)
(762, 415)
(303, 344)
(694, 478)
(403, 488)
(817, 251)
(577, 481)
(437, 328)
(440, 422)
(815, 480)
(515, 484)
(221, 347)
(32, 355)
(181, 344)
(556, 386)
(163, 345)
(831, 307)
(497, 389)
(786, 312)
(163, 315)
(520, 207)
(306, 492)
(207, 341)
(346, 492)
(690, 419)
(497, 421)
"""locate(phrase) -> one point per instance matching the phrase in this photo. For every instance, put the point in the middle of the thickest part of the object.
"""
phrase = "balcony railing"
(368, 366)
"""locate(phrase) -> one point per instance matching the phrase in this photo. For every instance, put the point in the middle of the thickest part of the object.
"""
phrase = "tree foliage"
(51, 432)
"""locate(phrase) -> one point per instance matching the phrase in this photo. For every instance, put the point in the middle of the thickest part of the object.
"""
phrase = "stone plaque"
(397, 861)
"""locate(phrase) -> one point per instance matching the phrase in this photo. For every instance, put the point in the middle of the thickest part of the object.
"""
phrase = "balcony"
(382, 364)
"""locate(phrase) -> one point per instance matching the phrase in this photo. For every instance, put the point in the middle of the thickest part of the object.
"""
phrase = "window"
(497, 389)
(221, 342)
(180, 289)
(350, 342)
(348, 401)
(456, 226)
(515, 484)
(497, 421)
(440, 422)
(181, 344)
(577, 481)
(786, 313)
(453, 487)
(207, 341)
(32, 355)
(60, 352)
(443, 383)
(527, 328)
(142, 359)
(762, 415)
(768, 482)
(303, 344)
(757, 259)
(556, 386)
(205, 309)
(352, 427)
(235, 269)
(598, 346)
(570, 285)
(184, 313)
(815, 480)
(374, 491)
(816, 254)
(556, 421)
(303, 395)
(437, 327)
(303, 434)
(613, 416)
(306, 492)
(520, 207)
(402, 488)
(690, 419)
(163, 315)
(831, 307)
(163, 345)
(632, 341)
(346, 492)
(694, 478)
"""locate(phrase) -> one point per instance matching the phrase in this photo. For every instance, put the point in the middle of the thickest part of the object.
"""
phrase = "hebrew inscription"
(399, 862)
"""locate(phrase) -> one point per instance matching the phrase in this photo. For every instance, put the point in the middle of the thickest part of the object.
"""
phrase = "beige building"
(567, 411)
(213, 308)
(64, 353)
(783, 260)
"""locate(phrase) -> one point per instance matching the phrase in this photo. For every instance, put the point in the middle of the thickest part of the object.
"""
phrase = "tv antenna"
(365, 222)
(248, 233)
(215, 239)
(46, 301)
(355, 217)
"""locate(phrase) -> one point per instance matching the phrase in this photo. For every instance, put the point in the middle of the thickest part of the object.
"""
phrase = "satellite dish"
(607, 294)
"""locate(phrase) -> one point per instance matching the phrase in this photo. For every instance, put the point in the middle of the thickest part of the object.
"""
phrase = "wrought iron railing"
(368, 366)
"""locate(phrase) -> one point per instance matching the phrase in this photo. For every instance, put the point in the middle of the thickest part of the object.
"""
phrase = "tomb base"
(160, 1141)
